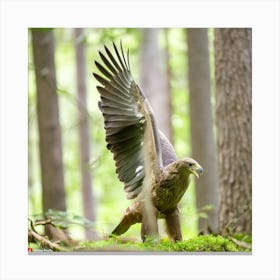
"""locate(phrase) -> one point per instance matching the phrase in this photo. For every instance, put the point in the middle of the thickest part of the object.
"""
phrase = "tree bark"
(48, 123)
(202, 134)
(87, 193)
(234, 127)
(154, 79)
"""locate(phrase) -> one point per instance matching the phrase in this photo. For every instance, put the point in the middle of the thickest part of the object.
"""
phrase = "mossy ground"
(203, 243)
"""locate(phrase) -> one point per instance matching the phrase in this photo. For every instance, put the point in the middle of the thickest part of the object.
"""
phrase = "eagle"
(145, 160)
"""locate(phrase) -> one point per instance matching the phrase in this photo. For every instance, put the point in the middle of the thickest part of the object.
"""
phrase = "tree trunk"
(169, 130)
(154, 79)
(202, 135)
(48, 122)
(234, 127)
(87, 194)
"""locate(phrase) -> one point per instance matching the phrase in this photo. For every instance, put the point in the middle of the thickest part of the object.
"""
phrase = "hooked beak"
(197, 170)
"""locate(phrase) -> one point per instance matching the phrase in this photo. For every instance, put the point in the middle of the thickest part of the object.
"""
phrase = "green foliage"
(203, 243)
(43, 29)
(203, 212)
(63, 220)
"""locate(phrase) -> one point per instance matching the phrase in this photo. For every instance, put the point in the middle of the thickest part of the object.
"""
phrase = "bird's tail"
(129, 218)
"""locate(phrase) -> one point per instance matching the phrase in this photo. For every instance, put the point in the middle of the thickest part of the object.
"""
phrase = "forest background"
(173, 66)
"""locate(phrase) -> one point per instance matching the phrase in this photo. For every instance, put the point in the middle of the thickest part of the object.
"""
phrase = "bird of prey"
(144, 158)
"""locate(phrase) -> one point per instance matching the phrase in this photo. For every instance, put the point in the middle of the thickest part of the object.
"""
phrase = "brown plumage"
(145, 160)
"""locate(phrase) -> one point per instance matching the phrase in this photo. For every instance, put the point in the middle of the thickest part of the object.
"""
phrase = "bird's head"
(190, 165)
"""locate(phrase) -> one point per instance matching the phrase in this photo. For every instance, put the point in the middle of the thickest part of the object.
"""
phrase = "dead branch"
(240, 243)
(52, 245)
(44, 222)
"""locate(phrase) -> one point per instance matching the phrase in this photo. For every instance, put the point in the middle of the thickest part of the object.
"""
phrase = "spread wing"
(131, 132)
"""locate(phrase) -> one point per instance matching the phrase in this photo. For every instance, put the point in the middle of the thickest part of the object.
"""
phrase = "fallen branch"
(52, 245)
(240, 243)
(44, 222)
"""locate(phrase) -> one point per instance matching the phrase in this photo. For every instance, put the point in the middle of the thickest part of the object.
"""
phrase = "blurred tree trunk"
(202, 134)
(168, 84)
(154, 79)
(30, 159)
(49, 126)
(87, 193)
(234, 127)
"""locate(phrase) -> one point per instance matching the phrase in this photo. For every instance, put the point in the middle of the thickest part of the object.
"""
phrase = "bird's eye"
(190, 164)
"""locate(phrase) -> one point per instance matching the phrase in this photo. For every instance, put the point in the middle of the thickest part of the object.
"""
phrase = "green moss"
(207, 243)
(203, 243)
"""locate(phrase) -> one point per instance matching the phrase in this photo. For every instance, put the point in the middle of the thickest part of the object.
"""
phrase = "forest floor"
(203, 243)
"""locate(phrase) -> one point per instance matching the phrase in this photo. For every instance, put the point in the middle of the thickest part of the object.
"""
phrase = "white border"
(17, 16)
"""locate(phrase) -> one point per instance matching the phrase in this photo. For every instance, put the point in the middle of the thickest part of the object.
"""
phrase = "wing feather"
(114, 94)
(108, 64)
(131, 132)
